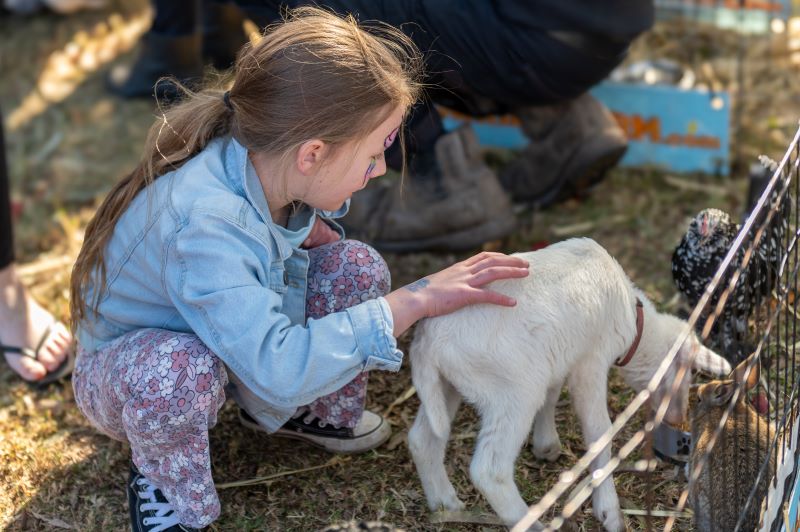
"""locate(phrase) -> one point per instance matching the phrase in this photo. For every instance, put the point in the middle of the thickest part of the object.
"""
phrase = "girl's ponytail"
(183, 130)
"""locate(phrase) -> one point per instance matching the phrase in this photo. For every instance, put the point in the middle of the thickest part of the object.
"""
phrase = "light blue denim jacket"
(197, 252)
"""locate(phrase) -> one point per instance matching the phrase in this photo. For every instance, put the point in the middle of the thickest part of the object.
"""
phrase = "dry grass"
(56, 472)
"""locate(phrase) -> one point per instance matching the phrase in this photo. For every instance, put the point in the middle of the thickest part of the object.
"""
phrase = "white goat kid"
(576, 314)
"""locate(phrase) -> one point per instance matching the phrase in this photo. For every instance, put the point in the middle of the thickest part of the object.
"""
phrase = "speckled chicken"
(698, 256)
(702, 248)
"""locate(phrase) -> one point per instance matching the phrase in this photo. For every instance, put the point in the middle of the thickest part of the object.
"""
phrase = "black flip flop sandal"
(62, 371)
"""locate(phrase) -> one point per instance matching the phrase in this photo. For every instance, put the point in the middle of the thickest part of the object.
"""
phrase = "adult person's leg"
(531, 58)
(24, 324)
(171, 47)
(6, 232)
(184, 37)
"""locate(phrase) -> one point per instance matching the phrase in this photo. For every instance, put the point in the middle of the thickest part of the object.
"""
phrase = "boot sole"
(586, 177)
(463, 240)
(594, 173)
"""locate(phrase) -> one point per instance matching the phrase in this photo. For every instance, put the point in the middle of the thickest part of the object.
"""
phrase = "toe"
(55, 348)
(27, 368)
(50, 356)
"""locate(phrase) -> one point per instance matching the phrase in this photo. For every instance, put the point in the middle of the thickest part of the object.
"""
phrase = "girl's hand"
(320, 235)
(455, 287)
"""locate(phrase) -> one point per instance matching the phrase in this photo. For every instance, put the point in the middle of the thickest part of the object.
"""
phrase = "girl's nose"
(380, 168)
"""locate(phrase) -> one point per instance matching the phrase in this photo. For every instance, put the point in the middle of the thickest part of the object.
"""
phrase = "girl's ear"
(309, 156)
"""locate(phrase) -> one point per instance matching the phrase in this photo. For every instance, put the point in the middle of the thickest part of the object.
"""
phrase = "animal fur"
(719, 494)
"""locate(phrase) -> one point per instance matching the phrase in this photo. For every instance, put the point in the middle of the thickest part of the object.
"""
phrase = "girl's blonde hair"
(313, 76)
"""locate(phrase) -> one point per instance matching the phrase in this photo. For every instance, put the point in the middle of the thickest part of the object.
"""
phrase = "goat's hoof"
(451, 504)
(455, 505)
(612, 521)
(549, 453)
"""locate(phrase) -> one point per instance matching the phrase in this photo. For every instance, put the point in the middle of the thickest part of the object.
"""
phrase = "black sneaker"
(150, 510)
(372, 430)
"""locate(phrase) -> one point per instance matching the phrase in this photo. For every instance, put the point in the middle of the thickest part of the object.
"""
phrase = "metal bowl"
(671, 444)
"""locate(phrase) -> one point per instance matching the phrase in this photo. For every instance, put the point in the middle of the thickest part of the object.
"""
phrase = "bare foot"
(22, 323)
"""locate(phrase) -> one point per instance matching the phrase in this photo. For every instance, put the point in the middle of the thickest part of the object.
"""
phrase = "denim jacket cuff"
(373, 326)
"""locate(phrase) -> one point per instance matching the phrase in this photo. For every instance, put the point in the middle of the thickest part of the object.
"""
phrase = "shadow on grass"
(59, 473)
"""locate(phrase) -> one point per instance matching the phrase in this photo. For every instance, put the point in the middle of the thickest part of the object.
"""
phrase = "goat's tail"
(431, 389)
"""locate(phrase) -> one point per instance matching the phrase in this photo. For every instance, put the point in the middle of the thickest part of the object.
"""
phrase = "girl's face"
(354, 165)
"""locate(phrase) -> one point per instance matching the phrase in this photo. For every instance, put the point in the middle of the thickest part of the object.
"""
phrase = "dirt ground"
(69, 141)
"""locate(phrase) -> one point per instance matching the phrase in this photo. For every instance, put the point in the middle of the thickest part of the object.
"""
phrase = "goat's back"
(574, 303)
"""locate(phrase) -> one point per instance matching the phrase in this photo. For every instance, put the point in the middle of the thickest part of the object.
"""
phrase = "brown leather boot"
(572, 146)
(459, 208)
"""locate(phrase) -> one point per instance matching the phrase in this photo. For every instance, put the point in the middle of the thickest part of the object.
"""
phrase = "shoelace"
(165, 516)
(309, 419)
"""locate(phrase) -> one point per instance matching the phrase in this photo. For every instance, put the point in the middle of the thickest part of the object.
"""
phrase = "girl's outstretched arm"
(455, 287)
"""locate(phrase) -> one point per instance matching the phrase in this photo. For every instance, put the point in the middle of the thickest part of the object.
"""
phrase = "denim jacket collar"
(239, 166)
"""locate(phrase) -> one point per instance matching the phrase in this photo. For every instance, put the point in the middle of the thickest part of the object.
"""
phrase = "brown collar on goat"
(639, 326)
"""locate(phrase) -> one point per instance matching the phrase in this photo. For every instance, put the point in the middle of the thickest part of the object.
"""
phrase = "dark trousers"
(476, 60)
(481, 57)
(6, 236)
(176, 18)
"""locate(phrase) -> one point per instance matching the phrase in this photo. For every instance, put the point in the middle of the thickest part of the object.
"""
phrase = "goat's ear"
(741, 375)
(703, 359)
(720, 394)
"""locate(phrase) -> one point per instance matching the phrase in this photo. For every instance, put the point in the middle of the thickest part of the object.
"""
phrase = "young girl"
(216, 262)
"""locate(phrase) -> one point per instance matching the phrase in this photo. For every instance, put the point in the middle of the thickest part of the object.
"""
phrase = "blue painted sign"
(681, 130)
(498, 131)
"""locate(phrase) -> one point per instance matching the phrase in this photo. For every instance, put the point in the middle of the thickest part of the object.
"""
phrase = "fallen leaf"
(53, 521)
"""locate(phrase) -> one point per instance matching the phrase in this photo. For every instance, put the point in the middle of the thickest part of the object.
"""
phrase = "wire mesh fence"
(740, 466)
(739, 447)
(747, 16)
(730, 40)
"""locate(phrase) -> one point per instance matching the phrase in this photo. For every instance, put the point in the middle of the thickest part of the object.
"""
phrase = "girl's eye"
(390, 139)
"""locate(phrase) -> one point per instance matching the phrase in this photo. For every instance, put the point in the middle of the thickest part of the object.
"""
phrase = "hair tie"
(226, 99)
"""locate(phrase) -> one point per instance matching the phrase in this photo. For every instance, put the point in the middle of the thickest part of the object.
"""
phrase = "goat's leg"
(545, 440)
(587, 388)
(428, 452)
(505, 426)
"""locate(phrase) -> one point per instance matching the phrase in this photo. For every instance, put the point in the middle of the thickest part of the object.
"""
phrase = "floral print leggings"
(161, 390)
